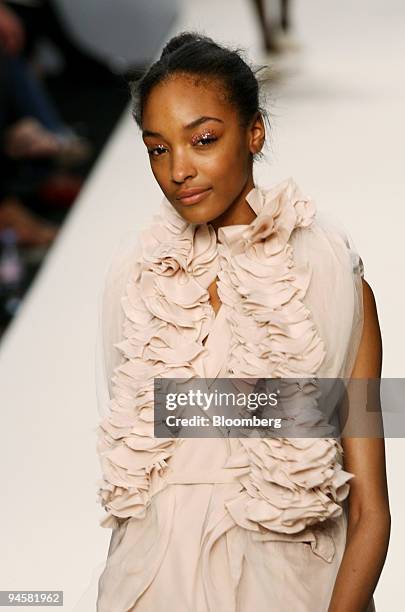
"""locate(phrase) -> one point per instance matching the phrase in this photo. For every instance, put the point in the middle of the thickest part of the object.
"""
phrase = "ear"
(256, 134)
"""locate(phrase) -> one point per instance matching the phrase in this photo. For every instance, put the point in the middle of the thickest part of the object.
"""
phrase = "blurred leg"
(268, 28)
(39, 130)
(30, 96)
(285, 15)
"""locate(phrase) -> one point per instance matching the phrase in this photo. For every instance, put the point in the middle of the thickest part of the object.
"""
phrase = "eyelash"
(207, 139)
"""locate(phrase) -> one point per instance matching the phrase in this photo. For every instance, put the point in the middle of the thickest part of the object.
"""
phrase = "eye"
(160, 148)
(204, 139)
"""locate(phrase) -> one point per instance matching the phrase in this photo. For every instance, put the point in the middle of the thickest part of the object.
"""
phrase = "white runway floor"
(338, 129)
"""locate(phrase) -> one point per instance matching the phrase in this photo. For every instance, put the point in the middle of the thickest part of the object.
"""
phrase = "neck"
(239, 212)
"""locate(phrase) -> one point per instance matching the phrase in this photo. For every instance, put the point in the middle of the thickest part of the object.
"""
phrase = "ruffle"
(291, 482)
(273, 334)
(167, 315)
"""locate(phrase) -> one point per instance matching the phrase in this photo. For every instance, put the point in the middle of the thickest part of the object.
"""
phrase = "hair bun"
(184, 38)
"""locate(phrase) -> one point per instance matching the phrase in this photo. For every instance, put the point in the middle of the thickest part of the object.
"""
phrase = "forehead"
(184, 97)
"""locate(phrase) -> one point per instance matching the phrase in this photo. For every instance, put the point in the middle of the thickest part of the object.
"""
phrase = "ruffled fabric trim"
(167, 314)
(273, 334)
(292, 482)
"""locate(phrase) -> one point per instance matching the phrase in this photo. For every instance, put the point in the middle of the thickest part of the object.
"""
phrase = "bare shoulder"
(370, 308)
(368, 294)
(369, 358)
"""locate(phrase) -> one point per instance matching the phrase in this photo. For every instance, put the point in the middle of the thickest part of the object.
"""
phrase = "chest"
(213, 296)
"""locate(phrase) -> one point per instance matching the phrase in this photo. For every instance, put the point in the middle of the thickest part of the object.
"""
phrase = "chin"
(198, 214)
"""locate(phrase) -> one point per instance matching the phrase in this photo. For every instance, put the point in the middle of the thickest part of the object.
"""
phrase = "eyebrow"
(189, 126)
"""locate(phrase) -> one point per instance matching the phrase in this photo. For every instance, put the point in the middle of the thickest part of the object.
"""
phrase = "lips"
(192, 196)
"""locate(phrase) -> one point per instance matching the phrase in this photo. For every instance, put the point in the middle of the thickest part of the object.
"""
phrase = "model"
(233, 280)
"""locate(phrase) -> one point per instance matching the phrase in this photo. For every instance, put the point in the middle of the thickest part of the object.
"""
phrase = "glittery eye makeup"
(160, 148)
(206, 137)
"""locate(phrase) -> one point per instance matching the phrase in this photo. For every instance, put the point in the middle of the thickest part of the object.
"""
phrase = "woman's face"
(195, 142)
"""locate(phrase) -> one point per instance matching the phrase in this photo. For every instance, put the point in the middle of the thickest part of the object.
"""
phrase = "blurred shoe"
(30, 230)
(28, 139)
(285, 42)
(286, 62)
(73, 149)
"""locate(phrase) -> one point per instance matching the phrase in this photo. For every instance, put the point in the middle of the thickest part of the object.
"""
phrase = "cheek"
(162, 175)
(225, 164)
(232, 171)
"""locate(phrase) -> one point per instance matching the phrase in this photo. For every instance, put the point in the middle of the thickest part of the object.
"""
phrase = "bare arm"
(369, 520)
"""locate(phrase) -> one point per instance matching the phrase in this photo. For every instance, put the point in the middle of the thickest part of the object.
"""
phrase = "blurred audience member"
(31, 129)
(38, 129)
(41, 20)
(29, 229)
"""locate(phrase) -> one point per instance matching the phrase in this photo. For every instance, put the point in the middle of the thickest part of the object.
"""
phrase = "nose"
(181, 166)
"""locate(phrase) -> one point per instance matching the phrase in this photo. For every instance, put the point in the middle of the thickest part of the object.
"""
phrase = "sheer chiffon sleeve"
(111, 316)
(335, 293)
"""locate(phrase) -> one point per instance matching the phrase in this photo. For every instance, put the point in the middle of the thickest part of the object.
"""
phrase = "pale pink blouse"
(225, 524)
